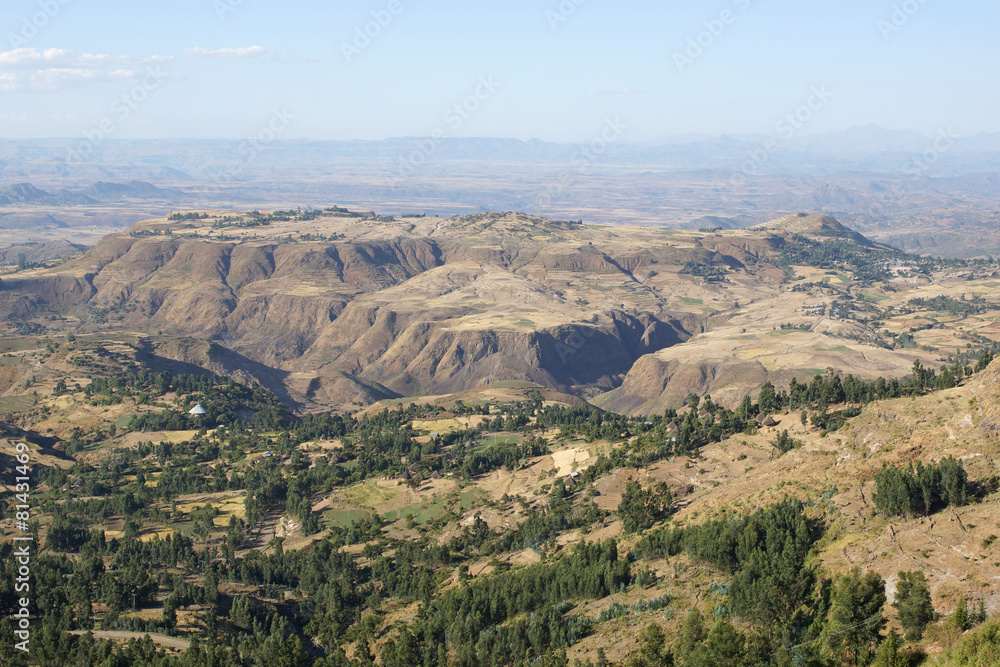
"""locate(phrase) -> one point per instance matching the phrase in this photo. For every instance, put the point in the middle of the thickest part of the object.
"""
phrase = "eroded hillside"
(338, 308)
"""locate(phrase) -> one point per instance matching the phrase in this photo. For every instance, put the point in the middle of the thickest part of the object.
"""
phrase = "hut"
(769, 422)
(198, 411)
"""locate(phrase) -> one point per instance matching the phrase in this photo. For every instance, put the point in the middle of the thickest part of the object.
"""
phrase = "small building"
(198, 410)
(769, 422)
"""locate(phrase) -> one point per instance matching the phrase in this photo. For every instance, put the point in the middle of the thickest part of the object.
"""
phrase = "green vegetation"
(913, 604)
(359, 584)
(641, 509)
(921, 489)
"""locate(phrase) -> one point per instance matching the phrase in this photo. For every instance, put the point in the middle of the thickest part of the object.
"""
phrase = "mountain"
(26, 193)
(107, 191)
(39, 252)
(864, 139)
(814, 226)
(887, 184)
(501, 438)
(346, 308)
(101, 191)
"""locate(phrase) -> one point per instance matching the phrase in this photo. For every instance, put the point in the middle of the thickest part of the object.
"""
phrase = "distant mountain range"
(868, 147)
(101, 191)
(925, 193)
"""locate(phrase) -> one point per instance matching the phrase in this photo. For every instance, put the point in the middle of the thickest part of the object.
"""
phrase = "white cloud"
(29, 69)
(55, 79)
(30, 58)
(228, 52)
(8, 82)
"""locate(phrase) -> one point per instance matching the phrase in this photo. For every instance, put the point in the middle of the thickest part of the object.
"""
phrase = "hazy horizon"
(688, 137)
(558, 70)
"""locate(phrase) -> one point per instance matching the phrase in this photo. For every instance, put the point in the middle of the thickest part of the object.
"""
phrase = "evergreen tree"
(913, 604)
(856, 619)
(889, 653)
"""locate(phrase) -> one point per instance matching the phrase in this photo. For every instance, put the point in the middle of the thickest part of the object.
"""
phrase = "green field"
(344, 517)
(16, 403)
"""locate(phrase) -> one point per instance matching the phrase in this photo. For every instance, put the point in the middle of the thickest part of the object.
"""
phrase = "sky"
(556, 70)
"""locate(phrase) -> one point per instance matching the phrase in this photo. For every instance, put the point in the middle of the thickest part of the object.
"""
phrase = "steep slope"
(953, 547)
(349, 307)
(38, 252)
(814, 226)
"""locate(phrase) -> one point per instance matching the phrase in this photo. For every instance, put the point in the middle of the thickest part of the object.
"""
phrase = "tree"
(692, 635)
(641, 508)
(652, 649)
(892, 491)
(784, 443)
(954, 482)
(913, 604)
(170, 606)
(767, 400)
(726, 646)
(856, 619)
(960, 617)
(889, 654)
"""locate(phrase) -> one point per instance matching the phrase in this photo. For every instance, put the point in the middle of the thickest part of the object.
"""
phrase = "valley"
(501, 439)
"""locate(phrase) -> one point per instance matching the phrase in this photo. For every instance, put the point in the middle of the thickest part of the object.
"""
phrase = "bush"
(979, 647)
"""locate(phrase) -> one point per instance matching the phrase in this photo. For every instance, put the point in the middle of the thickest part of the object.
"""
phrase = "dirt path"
(162, 640)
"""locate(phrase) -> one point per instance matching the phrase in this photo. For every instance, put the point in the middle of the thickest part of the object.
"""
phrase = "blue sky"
(552, 70)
